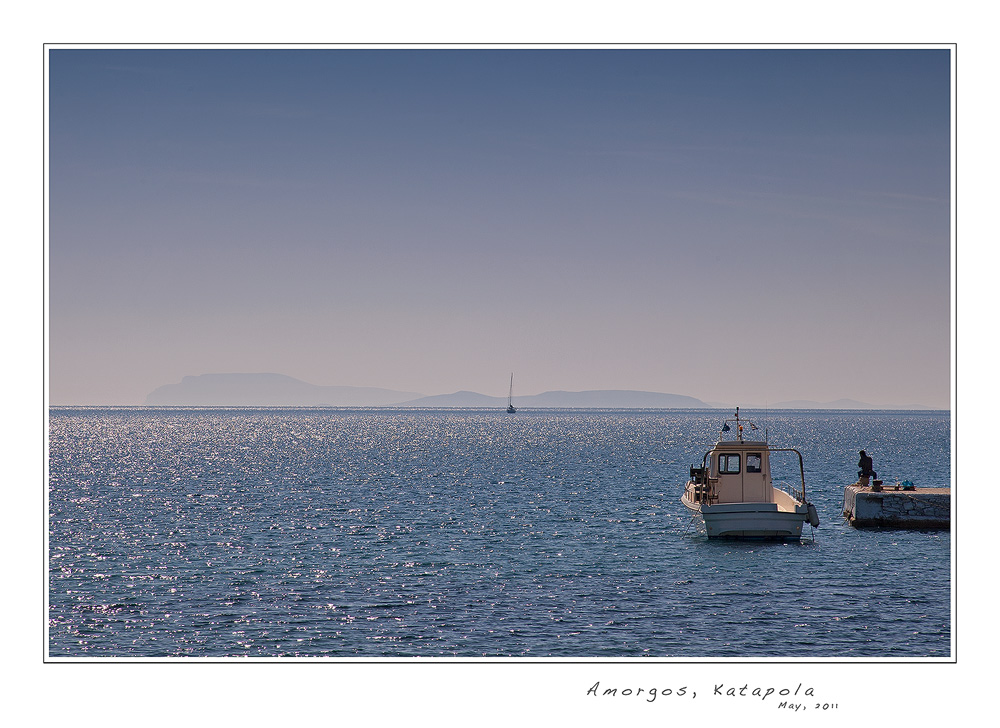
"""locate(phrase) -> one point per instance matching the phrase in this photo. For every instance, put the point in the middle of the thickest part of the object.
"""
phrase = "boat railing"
(798, 494)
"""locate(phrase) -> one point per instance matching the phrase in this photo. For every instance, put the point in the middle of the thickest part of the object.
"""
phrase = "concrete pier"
(918, 508)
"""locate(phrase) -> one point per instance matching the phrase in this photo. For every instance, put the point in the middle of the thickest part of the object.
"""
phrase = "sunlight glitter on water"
(393, 533)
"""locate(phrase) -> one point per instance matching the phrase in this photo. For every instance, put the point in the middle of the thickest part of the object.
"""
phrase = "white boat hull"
(750, 520)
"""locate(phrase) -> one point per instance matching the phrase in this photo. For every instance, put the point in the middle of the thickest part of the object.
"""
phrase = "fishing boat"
(510, 396)
(733, 492)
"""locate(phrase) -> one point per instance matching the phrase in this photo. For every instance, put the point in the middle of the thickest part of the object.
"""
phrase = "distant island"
(279, 390)
(593, 399)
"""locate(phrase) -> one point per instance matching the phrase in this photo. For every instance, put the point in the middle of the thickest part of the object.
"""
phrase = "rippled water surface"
(546, 534)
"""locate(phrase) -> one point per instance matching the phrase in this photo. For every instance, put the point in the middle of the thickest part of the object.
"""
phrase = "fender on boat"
(813, 516)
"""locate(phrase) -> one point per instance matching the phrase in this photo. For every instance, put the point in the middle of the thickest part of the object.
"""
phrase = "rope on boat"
(692, 522)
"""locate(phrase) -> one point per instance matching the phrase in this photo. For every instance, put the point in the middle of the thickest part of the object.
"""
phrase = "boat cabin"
(735, 471)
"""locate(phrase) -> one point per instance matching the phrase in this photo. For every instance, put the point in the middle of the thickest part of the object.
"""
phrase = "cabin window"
(753, 462)
(729, 464)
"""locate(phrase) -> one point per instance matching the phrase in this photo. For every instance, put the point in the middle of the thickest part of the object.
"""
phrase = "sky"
(736, 225)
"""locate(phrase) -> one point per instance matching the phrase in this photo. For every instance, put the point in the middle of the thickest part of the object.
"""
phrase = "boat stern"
(753, 521)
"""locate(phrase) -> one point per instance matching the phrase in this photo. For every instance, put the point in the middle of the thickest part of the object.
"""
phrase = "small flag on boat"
(725, 427)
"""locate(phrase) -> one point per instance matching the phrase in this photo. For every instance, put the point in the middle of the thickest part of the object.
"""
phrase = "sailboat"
(510, 396)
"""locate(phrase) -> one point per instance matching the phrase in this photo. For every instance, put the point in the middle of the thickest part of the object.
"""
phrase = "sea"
(411, 535)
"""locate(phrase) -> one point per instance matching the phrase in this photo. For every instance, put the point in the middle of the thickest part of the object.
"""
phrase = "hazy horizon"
(272, 389)
(731, 225)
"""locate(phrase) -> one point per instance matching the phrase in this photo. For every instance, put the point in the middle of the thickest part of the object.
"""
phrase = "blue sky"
(734, 225)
